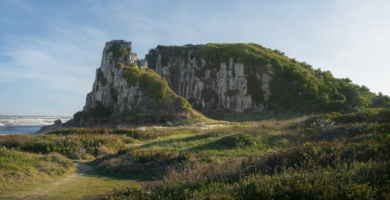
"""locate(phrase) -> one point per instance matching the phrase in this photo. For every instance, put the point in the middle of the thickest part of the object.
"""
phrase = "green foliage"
(99, 111)
(132, 74)
(117, 50)
(133, 113)
(78, 116)
(156, 89)
(155, 86)
(150, 82)
(183, 103)
(381, 100)
(338, 97)
(238, 140)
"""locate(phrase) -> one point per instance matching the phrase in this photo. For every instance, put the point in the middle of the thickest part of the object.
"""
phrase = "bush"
(238, 140)
(117, 50)
(150, 82)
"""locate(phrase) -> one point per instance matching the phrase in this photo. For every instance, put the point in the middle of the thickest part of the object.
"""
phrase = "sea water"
(26, 124)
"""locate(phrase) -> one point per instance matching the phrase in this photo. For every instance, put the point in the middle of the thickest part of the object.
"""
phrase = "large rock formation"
(126, 92)
(210, 83)
(214, 78)
(221, 78)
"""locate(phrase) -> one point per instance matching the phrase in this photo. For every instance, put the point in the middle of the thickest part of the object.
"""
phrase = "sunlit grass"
(18, 169)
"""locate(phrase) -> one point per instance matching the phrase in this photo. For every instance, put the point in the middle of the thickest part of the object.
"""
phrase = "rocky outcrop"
(56, 126)
(209, 83)
(109, 79)
(125, 92)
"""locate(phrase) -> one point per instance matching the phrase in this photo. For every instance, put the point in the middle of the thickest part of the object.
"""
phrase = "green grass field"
(18, 169)
(329, 156)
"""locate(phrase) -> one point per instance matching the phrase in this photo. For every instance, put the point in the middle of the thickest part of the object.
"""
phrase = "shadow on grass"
(217, 133)
(239, 140)
(252, 116)
(142, 176)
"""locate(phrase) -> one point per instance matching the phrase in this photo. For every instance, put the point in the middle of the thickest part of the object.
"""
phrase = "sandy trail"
(83, 169)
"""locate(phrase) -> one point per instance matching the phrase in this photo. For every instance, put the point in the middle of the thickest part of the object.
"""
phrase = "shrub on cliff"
(150, 83)
(118, 51)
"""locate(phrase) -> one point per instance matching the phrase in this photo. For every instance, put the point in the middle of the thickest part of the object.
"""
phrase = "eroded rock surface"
(122, 91)
(210, 84)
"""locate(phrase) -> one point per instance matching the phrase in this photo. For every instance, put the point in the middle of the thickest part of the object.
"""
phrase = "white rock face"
(109, 87)
(229, 83)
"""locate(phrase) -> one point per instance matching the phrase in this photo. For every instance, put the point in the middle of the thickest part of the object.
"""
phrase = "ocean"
(26, 124)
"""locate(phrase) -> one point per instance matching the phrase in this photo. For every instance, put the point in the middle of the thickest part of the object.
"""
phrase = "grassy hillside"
(328, 156)
(333, 156)
(19, 168)
(296, 86)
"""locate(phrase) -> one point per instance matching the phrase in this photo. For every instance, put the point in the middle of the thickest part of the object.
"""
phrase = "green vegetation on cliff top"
(295, 86)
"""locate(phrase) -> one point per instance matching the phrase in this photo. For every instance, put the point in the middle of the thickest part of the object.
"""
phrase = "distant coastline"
(26, 124)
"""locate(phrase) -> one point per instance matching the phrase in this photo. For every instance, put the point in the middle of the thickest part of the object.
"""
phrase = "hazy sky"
(50, 49)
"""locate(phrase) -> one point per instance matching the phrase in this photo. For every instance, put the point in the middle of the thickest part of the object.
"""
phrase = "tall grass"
(136, 134)
(20, 168)
(275, 159)
(84, 146)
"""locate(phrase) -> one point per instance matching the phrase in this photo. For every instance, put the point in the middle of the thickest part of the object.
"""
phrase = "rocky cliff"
(125, 92)
(249, 77)
(210, 81)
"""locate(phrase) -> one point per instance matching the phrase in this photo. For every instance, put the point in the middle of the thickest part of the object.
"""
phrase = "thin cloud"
(55, 53)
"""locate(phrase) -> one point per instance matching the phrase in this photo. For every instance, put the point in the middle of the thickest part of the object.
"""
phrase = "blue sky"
(50, 49)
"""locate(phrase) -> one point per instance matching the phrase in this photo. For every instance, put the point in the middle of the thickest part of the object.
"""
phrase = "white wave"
(13, 121)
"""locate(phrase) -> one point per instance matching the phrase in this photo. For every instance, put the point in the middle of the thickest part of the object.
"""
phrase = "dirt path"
(83, 169)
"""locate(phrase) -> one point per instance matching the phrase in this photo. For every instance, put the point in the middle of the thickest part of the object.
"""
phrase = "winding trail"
(83, 170)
